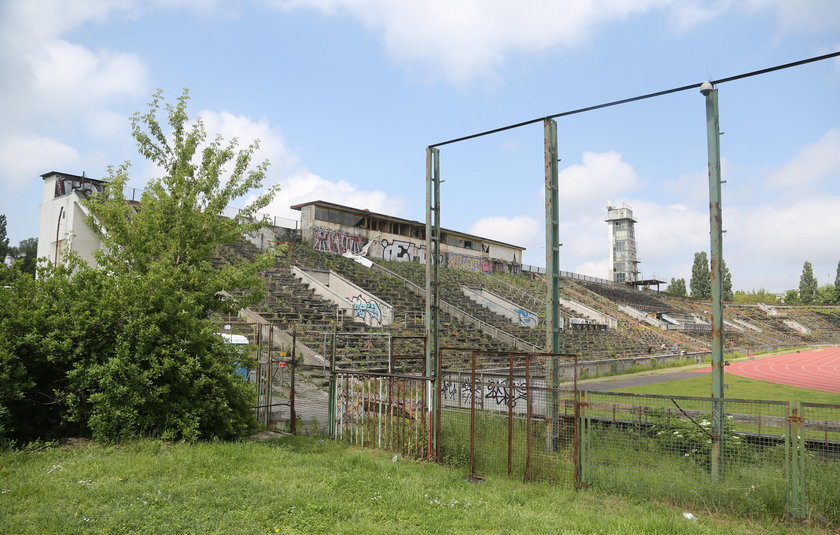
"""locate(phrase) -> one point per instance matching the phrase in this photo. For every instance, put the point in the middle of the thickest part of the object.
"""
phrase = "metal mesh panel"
(663, 447)
(384, 412)
(821, 433)
(500, 415)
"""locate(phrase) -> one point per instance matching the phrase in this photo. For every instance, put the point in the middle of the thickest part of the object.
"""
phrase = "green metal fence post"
(552, 272)
(716, 232)
(583, 441)
(432, 283)
(795, 469)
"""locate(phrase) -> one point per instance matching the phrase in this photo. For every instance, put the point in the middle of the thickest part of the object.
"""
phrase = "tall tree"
(676, 287)
(127, 349)
(26, 255)
(701, 277)
(837, 285)
(4, 240)
(727, 282)
(807, 284)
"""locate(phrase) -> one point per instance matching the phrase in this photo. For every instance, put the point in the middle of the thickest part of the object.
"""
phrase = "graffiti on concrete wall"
(366, 309)
(461, 392)
(526, 319)
(331, 241)
(468, 263)
(499, 391)
(403, 251)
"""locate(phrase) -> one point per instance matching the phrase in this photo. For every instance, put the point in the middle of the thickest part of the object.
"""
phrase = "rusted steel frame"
(427, 454)
(293, 426)
(347, 416)
(472, 415)
(403, 438)
(579, 398)
(414, 419)
(269, 386)
(529, 410)
(380, 374)
(380, 408)
(510, 416)
(390, 425)
(364, 416)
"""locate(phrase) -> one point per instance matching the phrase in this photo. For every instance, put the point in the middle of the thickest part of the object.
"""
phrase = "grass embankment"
(735, 387)
(304, 485)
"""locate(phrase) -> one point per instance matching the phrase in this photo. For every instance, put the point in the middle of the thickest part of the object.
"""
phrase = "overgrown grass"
(305, 485)
(633, 463)
(736, 387)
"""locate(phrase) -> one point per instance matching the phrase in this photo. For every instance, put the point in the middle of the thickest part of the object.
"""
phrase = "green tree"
(4, 239)
(825, 295)
(807, 285)
(701, 277)
(791, 297)
(26, 254)
(727, 282)
(676, 287)
(127, 348)
(754, 297)
(837, 285)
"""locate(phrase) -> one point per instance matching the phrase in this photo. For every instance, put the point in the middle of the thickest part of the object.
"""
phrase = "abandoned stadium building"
(326, 226)
(334, 228)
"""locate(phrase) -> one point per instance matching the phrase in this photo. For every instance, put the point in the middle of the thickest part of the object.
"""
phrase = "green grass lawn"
(306, 485)
(736, 387)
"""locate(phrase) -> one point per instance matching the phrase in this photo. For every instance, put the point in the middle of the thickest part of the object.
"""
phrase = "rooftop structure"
(338, 229)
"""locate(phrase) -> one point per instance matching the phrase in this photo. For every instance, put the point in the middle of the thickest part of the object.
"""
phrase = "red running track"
(818, 369)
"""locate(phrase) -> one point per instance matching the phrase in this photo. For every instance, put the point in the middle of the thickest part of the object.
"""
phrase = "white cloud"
(811, 164)
(800, 15)
(667, 235)
(520, 230)
(599, 177)
(689, 13)
(46, 77)
(25, 158)
(593, 268)
(272, 144)
(305, 186)
(468, 39)
(297, 184)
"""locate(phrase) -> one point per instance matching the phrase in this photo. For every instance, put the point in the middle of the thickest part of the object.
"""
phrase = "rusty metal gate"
(508, 413)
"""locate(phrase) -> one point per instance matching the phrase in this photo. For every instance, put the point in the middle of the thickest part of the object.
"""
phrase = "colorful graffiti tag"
(366, 308)
(330, 241)
(468, 263)
(526, 319)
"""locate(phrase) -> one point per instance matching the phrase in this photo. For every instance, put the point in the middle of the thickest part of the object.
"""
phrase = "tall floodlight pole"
(716, 231)
(432, 293)
(552, 272)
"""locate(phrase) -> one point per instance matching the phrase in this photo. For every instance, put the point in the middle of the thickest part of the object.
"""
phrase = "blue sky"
(346, 94)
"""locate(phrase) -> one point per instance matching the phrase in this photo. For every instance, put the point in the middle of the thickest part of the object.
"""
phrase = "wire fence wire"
(384, 412)
(821, 470)
(505, 413)
(662, 447)
(521, 415)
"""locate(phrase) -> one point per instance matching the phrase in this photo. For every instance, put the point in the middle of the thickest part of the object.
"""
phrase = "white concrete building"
(337, 229)
(62, 222)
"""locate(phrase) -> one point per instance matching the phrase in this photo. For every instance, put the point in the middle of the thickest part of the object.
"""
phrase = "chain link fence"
(516, 414)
